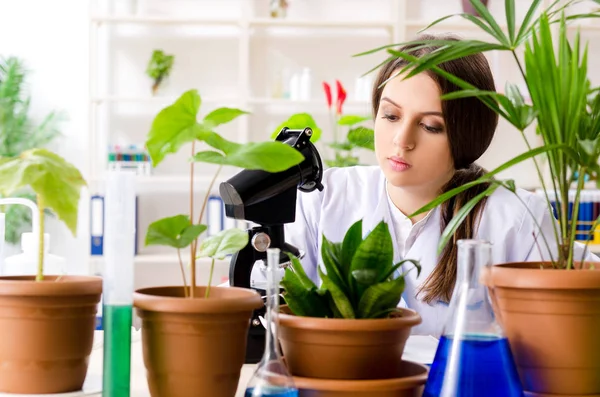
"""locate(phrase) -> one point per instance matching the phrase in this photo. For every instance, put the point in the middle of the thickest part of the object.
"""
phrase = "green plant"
(159, 67)
(359, 279)
(56, 183)
(357, 137)
(18, 132)
(563, 103)
(177, 125)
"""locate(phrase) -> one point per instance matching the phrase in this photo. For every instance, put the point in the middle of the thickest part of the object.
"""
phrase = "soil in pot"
(194, 347)
(46, 332)
(552, 319)
(345, 348)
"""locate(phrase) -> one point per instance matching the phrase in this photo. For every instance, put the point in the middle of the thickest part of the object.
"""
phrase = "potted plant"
(194, 338)
(159, 68)
(46, 321)
(553, 334)
(350, 327)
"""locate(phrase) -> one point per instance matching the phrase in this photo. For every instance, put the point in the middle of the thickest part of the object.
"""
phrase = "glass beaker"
(473, 357)
(272, 377)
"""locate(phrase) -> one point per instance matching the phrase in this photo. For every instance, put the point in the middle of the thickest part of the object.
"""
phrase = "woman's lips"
(398, 165)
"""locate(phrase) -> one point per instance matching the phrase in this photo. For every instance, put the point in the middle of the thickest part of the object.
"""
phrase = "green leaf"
(352, 241)
(351, 119)
(302, 300)
(51, 177)
(488, 177)
(461, 215)
(175, 231)
(398, 266)
(270, 156)
(509, 6)
(380, 297)
(299, 121)
(300, 274)
(525, 29)
(226, 242)
(342, 302)
(174, 126)
(341, 146)
(487, 17)
(333, 265)
(221, 116)
(362, 137)
(375, 252)
(366, 276)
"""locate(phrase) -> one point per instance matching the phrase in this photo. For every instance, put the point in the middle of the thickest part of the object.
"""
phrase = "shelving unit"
(230, 50)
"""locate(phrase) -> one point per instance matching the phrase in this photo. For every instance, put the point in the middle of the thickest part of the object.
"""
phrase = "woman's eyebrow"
(432, 113)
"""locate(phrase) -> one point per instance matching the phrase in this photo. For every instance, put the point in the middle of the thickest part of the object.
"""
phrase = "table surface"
(418, 348)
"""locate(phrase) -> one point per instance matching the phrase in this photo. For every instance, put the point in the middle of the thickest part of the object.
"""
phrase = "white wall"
(52, 38)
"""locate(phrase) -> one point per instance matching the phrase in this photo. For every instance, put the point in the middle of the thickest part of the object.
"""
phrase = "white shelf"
(163, 258)
(156, 99)
(271, 22)
(151, 20)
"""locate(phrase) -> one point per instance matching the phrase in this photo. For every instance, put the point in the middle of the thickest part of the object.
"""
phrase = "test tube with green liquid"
(119, 246)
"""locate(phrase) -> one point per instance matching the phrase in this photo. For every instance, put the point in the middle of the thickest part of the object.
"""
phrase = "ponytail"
(440, 283)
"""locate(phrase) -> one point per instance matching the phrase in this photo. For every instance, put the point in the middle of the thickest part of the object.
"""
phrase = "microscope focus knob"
(261, 241)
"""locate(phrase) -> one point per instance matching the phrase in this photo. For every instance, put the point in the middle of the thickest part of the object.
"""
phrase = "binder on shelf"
(97, 224)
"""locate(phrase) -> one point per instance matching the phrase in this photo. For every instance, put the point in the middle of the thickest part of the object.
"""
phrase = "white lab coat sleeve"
(304, 232)
(539, 234)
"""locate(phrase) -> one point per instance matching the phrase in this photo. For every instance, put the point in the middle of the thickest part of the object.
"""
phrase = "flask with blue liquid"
(272, 377)
(473, 357)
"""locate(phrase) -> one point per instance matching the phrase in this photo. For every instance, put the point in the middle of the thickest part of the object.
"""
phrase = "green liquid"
(117, 350)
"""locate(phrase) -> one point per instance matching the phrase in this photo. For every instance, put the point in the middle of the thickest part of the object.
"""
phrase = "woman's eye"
(431, 128)
(390, 117)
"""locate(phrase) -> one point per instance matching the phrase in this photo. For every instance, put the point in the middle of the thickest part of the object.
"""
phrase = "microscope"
(268, 200)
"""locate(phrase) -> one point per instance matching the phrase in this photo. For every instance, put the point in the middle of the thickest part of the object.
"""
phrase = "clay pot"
(46, 332)
(195, 346)
(408, 382)
(552, 320)
(330, 348)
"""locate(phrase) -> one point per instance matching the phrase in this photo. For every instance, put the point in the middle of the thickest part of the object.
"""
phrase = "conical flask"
(473, 357)
(272, 377)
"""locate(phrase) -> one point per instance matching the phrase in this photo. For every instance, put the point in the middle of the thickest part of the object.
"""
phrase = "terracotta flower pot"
(409, 382)
(46, 332)
(345, 348)
(194, 347)
(552, 320)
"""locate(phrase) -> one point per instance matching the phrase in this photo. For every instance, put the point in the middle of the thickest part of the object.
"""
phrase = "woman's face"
(411, 142)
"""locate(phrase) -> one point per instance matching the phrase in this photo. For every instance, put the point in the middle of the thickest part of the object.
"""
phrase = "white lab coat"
(355, 193)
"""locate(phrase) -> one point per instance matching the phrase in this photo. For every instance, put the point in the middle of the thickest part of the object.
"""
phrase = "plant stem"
(193, 244)
(40, 270)
(580, 183)
(185, 286)
(212, 268)
(205, 202)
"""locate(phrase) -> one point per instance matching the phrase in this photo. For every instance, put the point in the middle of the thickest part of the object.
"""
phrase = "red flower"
(327, 89)
(341, 96)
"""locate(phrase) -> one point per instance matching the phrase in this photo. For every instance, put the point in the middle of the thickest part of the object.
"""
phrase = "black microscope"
(269, 201)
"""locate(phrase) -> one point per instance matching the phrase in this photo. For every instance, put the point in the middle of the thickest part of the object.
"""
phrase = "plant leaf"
(270, 156)
(509, 6)
(221, 116)
(380, 297)
(461, 215)
(175, 231)
(351, 119)
(337, 294)
(50, 176)
(174, 126)
(333, 265)
(299, 121)
(352, 240)
(525, 29)
(375, 252)
(362, 137)
(301, 300)
(226, 242)
(400, 264)
(299, 272)
(341, 146)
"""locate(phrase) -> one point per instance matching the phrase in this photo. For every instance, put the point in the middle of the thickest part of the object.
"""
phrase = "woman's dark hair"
(470, 126)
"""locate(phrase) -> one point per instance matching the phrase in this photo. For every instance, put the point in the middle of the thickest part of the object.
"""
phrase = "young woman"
(424, 147)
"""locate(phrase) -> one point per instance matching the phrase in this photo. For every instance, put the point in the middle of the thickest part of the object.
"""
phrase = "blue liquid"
(486, 368)
(272, 391)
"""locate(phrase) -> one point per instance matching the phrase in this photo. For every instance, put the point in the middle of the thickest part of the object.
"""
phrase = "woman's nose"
(404, 138)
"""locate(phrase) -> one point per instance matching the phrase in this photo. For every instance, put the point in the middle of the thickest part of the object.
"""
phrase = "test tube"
(119, 245)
